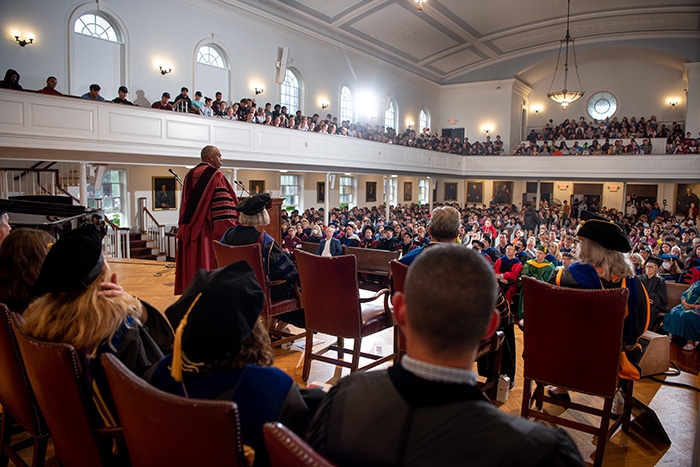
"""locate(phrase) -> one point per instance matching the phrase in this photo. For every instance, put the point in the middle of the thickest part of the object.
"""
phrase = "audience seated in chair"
(21, 256)
(81, 304)
(427, 409)
(222, 351)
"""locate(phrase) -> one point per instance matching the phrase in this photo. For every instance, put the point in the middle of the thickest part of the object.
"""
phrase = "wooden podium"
(274, 229)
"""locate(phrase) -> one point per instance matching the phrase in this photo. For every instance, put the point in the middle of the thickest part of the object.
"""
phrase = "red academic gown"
(214, 214)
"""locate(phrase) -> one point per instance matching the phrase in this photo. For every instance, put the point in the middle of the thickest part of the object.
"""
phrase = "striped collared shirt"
(438, 373)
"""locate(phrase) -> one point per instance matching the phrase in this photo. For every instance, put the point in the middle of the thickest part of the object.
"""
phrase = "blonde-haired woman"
(81, 304)
(603, 264)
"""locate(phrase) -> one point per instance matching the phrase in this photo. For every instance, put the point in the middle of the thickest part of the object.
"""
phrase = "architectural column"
(624, 198)
(326, 200)
(83, 183)
(691, 75)
(387, 214)
(430, 194)
(538, 195)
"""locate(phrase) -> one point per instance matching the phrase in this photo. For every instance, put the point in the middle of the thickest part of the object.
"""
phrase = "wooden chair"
(573, 340)
(18, 402)
(372, 264)
(227, 254)
(286, 449)
(673, 294)
(64, 395)
(165, 429)
(493, 345)
(333, 306)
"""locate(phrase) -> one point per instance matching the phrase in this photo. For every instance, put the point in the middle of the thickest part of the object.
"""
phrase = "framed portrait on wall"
(371, 192)
(475, 192)
(407, 191)
(503, 192)
(164, 198)
(256, 187)
(320, 192)
(686, 199)
(450, 191)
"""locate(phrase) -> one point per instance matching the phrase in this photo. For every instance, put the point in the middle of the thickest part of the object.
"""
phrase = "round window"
(602, 105)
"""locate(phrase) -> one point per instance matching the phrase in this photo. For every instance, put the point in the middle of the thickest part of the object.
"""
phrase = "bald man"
(208, 211)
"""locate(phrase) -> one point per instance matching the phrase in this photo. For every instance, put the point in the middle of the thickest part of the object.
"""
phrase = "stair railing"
(116, 243)
(28, 181)
(150, 226)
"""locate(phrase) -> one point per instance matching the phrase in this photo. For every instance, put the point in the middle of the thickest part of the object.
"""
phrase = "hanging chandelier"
(565, 96)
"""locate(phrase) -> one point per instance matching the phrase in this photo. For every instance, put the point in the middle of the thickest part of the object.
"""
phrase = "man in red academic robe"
(208, 210)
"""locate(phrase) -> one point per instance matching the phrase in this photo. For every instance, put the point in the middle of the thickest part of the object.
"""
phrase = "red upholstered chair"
(492, 345)
(64, 395)
(165, 429)
(227, 254)
(286, 449)
(332, 305)
(573, 339)
(17, 399)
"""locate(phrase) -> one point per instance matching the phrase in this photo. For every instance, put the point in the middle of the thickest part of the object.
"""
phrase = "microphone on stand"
(176, 177)
(242, 186)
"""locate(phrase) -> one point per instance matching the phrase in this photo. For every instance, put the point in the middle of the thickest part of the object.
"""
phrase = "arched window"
(289, 92)
(424, 119)
(208, 55)
(391, 114)
(92, 24)
(347, 105)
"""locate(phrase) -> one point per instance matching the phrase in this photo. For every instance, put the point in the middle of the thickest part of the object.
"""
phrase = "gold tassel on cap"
(180, 361)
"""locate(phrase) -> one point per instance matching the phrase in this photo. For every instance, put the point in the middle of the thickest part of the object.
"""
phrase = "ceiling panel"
(455, 61)
(403, 30)
(328, 8)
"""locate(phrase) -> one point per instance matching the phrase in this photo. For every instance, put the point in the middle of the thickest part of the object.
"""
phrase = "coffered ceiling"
(452, 40)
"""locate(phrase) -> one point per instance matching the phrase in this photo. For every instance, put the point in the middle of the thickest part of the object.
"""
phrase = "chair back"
(60, 386)
(573, 337)
(330, 293)
(398, 275)
(165, 429)
(286, 449)
(16, 394)
(252, 254)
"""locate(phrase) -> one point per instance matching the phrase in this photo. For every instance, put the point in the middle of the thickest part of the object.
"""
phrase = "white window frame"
(347, 104)
(347, 191)
(292, 190)
(94, 24)
(290, 92)
(391, 115)
(211, 55)
(424, 119)
(423, 191)
(109, 212)
(393, 190)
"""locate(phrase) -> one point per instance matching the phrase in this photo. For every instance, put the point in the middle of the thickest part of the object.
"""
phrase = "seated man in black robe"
(427, 410)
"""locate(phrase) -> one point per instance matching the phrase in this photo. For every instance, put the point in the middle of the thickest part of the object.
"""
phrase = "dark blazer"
(336, 249)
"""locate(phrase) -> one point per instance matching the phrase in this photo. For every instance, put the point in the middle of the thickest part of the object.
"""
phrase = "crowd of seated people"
(607, 138)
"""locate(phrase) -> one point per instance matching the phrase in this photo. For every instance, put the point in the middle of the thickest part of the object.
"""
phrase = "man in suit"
(329, 246)
(430, 411)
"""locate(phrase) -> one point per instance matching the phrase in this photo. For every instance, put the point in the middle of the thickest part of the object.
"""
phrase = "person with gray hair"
(430, 411)
(443, 228)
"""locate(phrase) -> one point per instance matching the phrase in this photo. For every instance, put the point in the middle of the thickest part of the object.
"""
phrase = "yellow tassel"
(179, 360)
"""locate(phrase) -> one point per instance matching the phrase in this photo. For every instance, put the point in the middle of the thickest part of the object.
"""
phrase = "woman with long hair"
(21, 256)
(80, 303)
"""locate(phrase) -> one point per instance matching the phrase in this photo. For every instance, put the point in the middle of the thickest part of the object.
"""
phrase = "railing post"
(161, 238)
(142, 214)
(83, 184)
(117, 244)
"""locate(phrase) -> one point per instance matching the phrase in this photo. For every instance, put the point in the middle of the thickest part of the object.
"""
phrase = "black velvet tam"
(253, 205)
(224, 315)
(604, 232)
(73, 263)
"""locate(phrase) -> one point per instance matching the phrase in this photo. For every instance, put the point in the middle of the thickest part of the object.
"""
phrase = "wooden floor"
(677, 408)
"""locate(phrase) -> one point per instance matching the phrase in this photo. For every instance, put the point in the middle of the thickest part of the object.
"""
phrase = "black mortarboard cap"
(225, 305)
(253, 205)
(655, 260)
(604, 232)
(72, 263)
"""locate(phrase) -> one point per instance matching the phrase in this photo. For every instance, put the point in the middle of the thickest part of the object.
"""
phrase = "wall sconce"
(259, 91)
(536, 108)
(325, 104)
(410, 124)
(674, 101)
(486, 129)
(420, 5)
(23, 42)
(163, 71)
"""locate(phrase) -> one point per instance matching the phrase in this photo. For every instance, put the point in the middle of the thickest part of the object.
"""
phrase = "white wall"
(642, 89)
